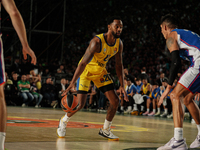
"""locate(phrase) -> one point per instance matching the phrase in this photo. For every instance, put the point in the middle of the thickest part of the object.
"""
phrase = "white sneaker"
(164, 115)
(174, 145)
(170, 116)
(23, 105)
(196, 142)
(193, 121)
(128, 111)
(61, 131)
(108, 134)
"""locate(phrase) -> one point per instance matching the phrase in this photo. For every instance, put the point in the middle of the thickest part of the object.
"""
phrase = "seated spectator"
(102, 100)
(61, 69)
(15, 93)
(49, 92)
(38, 97)
(16, 68)
(46, 73)
(24, 88)
(61, 88)
(154, 96)
(130, 90)
(36, 79)
(9, 91)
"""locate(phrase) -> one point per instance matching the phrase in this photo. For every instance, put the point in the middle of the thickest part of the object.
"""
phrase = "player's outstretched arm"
(92, 48)
(19, 26)
(119, 70)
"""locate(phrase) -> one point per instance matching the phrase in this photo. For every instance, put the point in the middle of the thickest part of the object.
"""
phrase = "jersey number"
(107, 58)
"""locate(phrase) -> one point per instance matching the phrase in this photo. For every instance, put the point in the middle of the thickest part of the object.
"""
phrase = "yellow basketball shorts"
(102, 81)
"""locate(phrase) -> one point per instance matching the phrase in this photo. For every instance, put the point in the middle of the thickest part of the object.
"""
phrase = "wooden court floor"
(35, 129)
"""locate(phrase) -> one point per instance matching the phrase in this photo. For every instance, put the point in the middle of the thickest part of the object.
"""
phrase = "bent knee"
(187, 100)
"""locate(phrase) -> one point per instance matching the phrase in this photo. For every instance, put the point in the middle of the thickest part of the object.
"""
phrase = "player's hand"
(28, 50)
(160, 100)
(122, 91)
(67, 90)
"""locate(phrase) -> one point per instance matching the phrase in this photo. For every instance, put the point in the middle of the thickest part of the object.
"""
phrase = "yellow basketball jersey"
(145, 89)
(99, 60)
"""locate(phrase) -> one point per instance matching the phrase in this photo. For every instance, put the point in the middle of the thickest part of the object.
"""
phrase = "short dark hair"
(110, 19)
(172, 20)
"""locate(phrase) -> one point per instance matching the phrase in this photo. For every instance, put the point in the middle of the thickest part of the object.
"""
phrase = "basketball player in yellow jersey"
(92, 67)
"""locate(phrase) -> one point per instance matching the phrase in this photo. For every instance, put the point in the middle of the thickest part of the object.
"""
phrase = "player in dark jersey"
(19, 26)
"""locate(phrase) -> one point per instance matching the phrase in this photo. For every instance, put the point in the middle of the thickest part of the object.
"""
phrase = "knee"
(174, 97)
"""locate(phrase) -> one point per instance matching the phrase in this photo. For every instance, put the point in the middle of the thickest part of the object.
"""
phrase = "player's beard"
(115, 35)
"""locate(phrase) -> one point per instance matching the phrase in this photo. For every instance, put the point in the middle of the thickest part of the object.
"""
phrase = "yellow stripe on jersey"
(99, 60)
(145, 88)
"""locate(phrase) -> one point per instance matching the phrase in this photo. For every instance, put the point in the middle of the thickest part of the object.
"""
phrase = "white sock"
(129, 108)
(178, 133)
(158, 110)
(148, 109)
(154, 110)
(198, 127)
(2, 140)
(65, 118)
(122, 108)
(107, 124)
(142, 108)
(166, 111)
(135, 107)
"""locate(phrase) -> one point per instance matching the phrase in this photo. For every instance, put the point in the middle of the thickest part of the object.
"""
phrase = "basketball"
(69, 103)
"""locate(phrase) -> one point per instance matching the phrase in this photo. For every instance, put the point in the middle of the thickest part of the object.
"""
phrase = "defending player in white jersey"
(182, 44)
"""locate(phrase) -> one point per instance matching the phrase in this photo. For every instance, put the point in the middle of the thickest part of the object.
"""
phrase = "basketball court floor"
(35, 129)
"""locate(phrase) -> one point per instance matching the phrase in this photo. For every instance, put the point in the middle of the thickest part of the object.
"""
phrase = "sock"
(129, 108)
(122, 108)
(2, 140)
(178, 133)
(142, 108)
(135, 107)
(158, 110)
(154, 110)
(166, 111)
(65, 118)
(198, 127)
(148, 109)
(107, 124)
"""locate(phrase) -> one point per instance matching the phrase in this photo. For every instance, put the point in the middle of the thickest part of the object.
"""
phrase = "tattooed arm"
(92, 48)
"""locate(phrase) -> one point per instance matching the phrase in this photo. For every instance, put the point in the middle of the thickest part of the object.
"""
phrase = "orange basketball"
(69, 103)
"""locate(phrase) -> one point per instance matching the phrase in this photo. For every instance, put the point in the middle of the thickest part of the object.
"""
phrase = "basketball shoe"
(61, 131)
(174, 145)
(108, 134)
(135, 112)
(196, 142)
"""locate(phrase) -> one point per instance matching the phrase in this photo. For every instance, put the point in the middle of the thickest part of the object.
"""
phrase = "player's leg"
(148, 101)
(194, 111)
(82, 89)
(3, 117)
(177, 142)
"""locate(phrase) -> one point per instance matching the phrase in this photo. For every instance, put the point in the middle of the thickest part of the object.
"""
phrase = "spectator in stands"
(16, 66)
(91, 96)
(160, 80)
(62, 87)
(49, 92)
(24, 88)
(61, 69)
(129, 76)
(102, 100)
(36, 79)
(34, 90)
(46, 73)
(143, 74)
(130, 90)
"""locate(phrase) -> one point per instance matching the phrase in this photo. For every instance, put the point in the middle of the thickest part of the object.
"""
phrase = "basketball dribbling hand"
(67, 90)
(28, 50)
